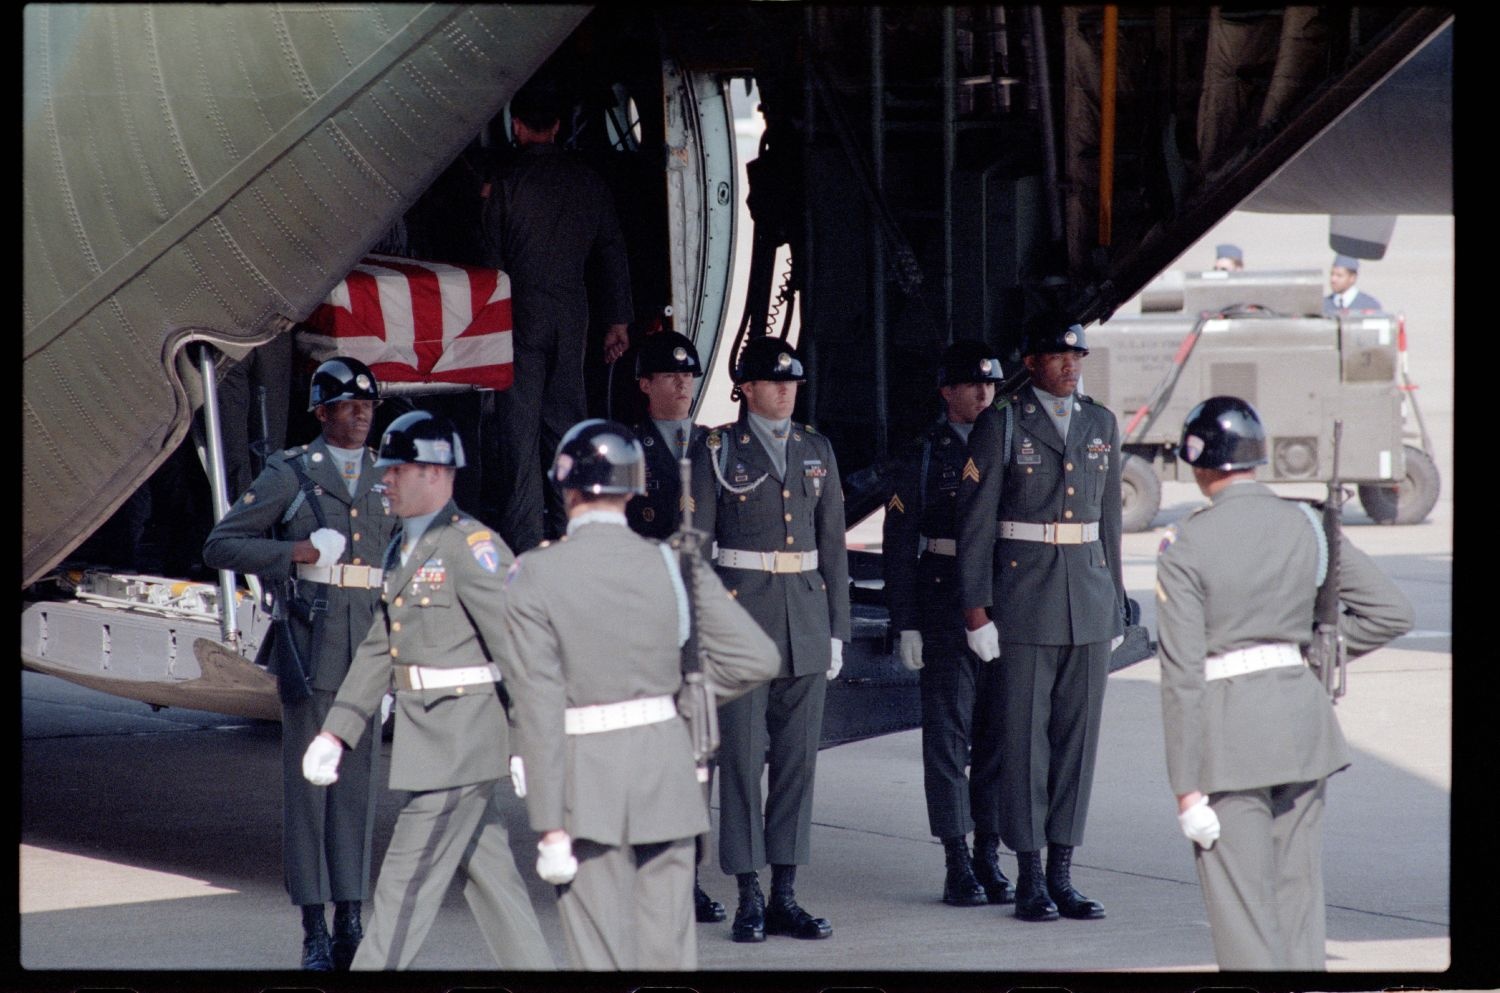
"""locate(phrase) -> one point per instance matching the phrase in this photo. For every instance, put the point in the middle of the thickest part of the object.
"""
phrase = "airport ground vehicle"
(197, 179)
(1262, 336)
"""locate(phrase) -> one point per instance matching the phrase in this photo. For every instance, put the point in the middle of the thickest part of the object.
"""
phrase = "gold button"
(427, 599)
(395, 625)
(353, 511)
(394, 653)
(785, 494)
(787, 516)
(790, 539)
(459, 691)
(937, 579)
(734, 594)
(399, 601)
(1013, 564)
(1070, 491)
(1067, 513)
(357, 561)
(1028, 470)
(1068, 466)
(356, 536)
(743, 498)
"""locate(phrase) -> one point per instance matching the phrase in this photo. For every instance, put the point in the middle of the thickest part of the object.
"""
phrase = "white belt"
(939, 546)
(357, 577)
(1052, 534)
(1252, 659)
(614, 716)
(432, 677)
(734, 558)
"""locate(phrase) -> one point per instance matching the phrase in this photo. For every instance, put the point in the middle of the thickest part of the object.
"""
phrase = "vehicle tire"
(1409, 501)
(1140, 494)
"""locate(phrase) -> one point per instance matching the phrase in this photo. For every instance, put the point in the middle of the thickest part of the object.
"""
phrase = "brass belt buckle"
(356, 575)
(788, 561)
(1068, 534)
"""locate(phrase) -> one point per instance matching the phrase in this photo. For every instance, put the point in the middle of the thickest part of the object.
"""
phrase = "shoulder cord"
(1317, 526)
(719, 458)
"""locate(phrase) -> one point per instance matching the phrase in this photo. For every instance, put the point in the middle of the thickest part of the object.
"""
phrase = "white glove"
(556, 863)
(1200, 823)
(330, 545)
(518, 775)
(836, 659)
(985, 642)
(1116, 642)
(911, 650)
(320, 763)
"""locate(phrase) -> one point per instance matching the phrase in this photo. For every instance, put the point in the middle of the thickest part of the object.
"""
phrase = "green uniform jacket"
(440, 609)
(594, 619)
(803, 513)
(243, 541)
(1239, 573)
(1043, 594)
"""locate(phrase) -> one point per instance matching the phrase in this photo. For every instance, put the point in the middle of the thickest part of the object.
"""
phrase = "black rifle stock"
(695, 700)
(1326, 653)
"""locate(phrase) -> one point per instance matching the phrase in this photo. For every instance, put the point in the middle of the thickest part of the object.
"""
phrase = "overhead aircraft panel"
(199, 171)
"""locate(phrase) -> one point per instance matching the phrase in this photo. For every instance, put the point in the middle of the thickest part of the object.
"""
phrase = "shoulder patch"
(484, 551)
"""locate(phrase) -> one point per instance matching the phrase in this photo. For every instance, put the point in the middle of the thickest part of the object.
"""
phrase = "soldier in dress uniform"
(595, 625)
(665, 367)
(435, 642)
(1346, 296)
(315, 517)
(768, 491)
(919, 554)
(1250, 731)
(1039, 572)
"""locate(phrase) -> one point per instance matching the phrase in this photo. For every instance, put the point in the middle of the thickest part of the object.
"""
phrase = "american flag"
(418, 322)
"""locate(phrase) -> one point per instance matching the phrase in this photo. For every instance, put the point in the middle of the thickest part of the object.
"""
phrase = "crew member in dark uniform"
(1250, 732)
(919, 554)
(665, 366)
(314, 513)
(768, 491)
(1039, 549)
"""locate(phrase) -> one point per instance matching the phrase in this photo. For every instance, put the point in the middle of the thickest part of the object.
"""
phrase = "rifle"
(261, 449)
(695, 700)
(1326, 653)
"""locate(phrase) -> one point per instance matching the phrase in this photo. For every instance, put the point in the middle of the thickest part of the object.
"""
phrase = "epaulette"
(1086, 398)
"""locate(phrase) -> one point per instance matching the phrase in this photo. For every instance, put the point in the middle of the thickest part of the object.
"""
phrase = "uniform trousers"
(1035, 740)
(949, 680)
(630, 907)
(786, 717)
(1263, 879)
(437, 833)
(326, 830)
(546, 399)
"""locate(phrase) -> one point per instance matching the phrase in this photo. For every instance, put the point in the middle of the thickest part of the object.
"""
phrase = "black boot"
(317, 953)
(1070, 902)
(960, 888)
(750, 916)
(1033, 902)
(706, 908)
(784, 917)
(347, 933)
(987, 868)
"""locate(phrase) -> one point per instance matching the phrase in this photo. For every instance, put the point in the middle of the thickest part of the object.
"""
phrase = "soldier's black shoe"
(784, 917)
(750, 917)
(1070, 902)
(347, 933)
(987, 868)
(1033, 902)
(317, 950)
(960, 888)
(706, 908)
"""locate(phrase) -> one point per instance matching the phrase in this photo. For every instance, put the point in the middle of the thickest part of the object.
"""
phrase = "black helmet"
(1051, 333)
(1223, 433)
(421, 436)
(667, 352)
(598, 457)
(969, 362)
(767, 358)
(342, 379)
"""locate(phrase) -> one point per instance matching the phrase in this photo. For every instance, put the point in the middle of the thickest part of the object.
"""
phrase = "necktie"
(681, 442)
